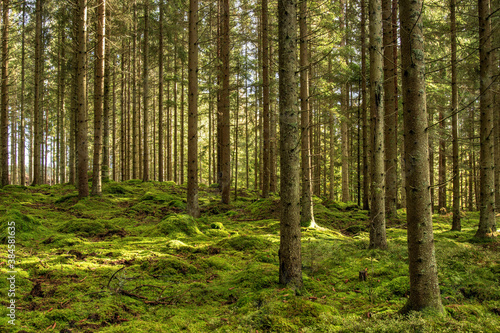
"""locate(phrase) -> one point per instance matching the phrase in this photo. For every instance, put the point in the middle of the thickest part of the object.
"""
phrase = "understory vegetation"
(133, 261)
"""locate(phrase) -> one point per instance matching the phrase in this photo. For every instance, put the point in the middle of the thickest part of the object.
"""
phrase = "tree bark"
(424, 288)
(344, 117)
(81, 83)
(487, 180)
(37, 110)
(290, 269)
(22, 125)
(366, 150)
(98, 98)
(377, 211)
(5, 94)
(160, 97)
(192, 195)
(265, 102)
(456, 224)
(225, 123)
(391, 116)
(145, 93)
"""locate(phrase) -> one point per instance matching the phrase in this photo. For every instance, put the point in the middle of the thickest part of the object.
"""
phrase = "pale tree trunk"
(456, 225)
(306, 212)
(182, 166)
(377, 209)
(5, 94)
(192, 194)
(145, 92)
(265, 102)
(37, 109)
(105, 118)
(225, 135)
(487, 180)
(332, 141)
(81, 82)
(344, 117)
(98, 98)
(62, 138)
(424, 288)
(113, 141)
(391, 115)
(135, 109)
(160, 97)
(290, 262)
(442, 164)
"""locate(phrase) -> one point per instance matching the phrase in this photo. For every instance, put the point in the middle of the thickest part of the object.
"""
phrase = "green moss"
(176, 226)
(87, 228)
(15, 223)
(246, 243)
(217, 225)
(168, 266)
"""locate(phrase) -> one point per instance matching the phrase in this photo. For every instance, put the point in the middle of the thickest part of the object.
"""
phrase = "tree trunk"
(5, 94)
(290, 268)
(192, 195)
(81, 82)
(424, 288)
(344, 116)
(37, 110)
(265, 102)
(377, 211)
(456, 225)
(442, 164)
(306, 212)
(135, 109)
(391, 116)
(105, 118)
(98, 98)
(160, 97)
(487, 180)
(366, 150)
(22, 126)
(145, 92)
(225, 123)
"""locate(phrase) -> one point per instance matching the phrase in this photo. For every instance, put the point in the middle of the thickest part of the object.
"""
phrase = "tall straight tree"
(98, 97)
(377, 209)
(37, 109)
(344, 128)
(306, 211)
(81, 88)
(487, 180)
(366, 172)
(266, 169)
(160, 96)
(424, 288)
(224, 95)
(456, 225)
(22, 129)
(192, 194)
(391, 115)
(290, 262)
(4, 104)
(145, 163)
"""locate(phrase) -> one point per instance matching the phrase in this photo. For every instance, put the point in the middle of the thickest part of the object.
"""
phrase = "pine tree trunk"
(487, 180)
(37, 109)
(456, 225)
(135, 109)
(442, 164)
(290, 268)
(344, 117)
(377, 209)
(391, 120)
(182, 167)
(81, 118)
(22, 125)
(192, 195)
(265, 105)
(4, 105)
(366, 143)
(424, 288)
(160, 97)
(145, 93)
(225, 123)
(105, 118)
(306, 214)
(98, 98)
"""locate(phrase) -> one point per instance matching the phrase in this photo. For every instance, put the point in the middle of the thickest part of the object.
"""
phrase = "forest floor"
(131, 261)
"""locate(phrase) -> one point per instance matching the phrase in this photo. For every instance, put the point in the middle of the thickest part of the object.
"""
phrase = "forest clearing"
(132, 261)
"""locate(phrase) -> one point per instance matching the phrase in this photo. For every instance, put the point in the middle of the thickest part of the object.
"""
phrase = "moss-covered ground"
(132, 261)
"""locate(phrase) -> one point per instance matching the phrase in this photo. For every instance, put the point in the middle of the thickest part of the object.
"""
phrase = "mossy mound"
(169, 266)
(246, 243)
(176, 226)
(87, 228)
(217, 225)
(115, 189)
(177, 245)
(265, 208)
(23, 224)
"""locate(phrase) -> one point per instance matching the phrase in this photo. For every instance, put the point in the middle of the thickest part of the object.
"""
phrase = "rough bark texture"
(306, 212)
(145, 93)
(344, 118)
(266, 170)
(290, 270)
(81, 86)
(98, 98)
(487, 180)
(225, 121)
(366, 151)
(424, 288)
(192, 195)
(442, 164)
(135, 109)
(377, 209)
(5, 94)
(37, 110)
(391, 115)
(456, 225)
(22, 127)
